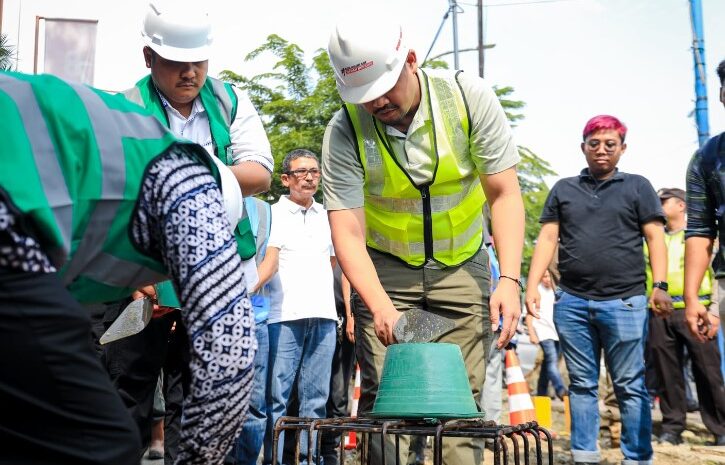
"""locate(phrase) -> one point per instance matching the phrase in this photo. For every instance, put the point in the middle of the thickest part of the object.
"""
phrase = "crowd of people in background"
(263, 310)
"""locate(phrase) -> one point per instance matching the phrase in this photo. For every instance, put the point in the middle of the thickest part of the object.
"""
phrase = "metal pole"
(698, 55)
(480, 38)
(1, 16)
(454, 10)
(35, 53)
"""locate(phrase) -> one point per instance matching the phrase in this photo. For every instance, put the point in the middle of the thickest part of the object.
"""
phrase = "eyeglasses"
(609, 146)
(302, 173)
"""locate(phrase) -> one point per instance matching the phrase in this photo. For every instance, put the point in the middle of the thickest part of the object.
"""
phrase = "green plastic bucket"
(426, 380)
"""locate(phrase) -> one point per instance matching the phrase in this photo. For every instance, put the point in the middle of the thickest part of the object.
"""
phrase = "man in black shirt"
(598, 220)
(705, 208)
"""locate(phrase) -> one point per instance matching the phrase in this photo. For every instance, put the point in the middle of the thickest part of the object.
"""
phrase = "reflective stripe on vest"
(675, 244)
(47, 163)
(90, 168)
(441, 220)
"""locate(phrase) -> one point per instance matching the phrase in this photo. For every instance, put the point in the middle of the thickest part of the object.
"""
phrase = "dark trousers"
(177, 379)
(343, 364)
(133, 363)
(57, 404)
(668, 337)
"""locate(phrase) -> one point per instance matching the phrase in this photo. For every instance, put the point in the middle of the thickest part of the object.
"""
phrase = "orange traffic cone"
(521, 409)
(351, 438)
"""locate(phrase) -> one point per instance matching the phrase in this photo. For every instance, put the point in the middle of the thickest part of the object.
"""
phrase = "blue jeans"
(618, 327)
(249, 443)
(550, 369)
(300, 349)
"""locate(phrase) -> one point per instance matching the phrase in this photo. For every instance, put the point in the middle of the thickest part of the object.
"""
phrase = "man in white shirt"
(302, 331)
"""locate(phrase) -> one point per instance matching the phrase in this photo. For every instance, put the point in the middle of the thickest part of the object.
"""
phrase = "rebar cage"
(438, 429)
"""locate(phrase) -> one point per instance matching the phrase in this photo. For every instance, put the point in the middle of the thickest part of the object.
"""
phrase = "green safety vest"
(441, 220)
(220, 102)
(676, 271)
(72, 164)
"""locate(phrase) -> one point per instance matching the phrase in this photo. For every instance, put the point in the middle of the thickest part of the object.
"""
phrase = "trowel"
(418, 325)
(132, 320)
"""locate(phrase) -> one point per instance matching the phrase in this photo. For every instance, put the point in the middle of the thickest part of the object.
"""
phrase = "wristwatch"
(661, 285)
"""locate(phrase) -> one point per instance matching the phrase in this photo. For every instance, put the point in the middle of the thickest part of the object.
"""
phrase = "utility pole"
(698, 55)
(480, 38)
(454, 18)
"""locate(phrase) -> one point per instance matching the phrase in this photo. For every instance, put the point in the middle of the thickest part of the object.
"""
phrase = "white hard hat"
(367, 60)
(231, 193)
(178, 31)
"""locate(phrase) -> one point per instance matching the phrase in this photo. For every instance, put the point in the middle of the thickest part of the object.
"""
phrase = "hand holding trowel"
(136, 316)
(418, 325)
(132, 320)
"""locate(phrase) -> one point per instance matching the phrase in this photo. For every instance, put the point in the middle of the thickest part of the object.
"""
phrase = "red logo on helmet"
(355, 68)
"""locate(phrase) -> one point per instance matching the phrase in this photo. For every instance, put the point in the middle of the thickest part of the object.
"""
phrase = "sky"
(568, 60)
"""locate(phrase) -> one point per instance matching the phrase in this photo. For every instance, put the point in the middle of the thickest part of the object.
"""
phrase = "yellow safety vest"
(442, 219)
(676, 271)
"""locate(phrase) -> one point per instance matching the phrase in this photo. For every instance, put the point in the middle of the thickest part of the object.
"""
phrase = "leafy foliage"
(532, 170)
(7, 54)
(296, 101)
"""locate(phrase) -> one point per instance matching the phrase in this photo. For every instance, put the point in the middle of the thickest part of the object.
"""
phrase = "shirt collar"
(296, 208)
(196, 108)
(585, 176)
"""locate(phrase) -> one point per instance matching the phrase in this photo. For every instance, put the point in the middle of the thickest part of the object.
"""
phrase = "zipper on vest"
(427, 223)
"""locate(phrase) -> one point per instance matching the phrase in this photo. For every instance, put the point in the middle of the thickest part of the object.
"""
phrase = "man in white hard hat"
(178, 37)
(407, 164)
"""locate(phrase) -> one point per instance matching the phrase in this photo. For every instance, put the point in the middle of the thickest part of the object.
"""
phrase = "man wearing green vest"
(407, 164)
(200, 108)
(97, 199)
(669, 335)
(177, 37)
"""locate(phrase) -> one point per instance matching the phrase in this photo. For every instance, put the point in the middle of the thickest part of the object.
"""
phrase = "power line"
(443, 21)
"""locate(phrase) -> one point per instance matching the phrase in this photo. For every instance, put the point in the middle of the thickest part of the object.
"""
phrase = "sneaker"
(719, 441)
(670, 438)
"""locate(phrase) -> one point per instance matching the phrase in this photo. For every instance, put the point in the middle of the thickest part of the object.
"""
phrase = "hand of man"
(660, 302)
(714, 326)
(150, 292)
(505, 301)
(698, 321)
(533, 301)
(384, 321)
(146, 291)
(533, 337)
(350, 329)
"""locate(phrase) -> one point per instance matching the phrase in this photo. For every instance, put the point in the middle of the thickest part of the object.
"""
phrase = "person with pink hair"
(598, 220)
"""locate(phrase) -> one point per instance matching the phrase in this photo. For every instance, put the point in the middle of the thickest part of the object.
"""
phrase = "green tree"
(531, 170)
(296, 101)
(7, 54)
